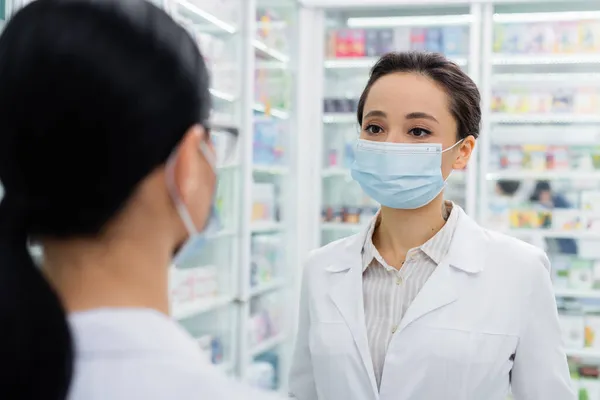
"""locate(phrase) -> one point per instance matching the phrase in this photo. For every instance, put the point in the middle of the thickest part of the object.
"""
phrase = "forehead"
(405, 93)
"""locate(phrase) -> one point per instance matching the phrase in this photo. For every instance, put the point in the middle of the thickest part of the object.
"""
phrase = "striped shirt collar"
(435, 248)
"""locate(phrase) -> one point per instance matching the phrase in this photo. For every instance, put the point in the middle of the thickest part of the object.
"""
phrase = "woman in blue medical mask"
(106, 160)
(424, 303)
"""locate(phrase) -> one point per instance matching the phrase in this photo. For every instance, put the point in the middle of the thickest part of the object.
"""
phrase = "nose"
(396, 136)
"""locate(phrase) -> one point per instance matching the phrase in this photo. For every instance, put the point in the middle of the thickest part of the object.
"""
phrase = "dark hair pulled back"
(94, 96)
(460, 88)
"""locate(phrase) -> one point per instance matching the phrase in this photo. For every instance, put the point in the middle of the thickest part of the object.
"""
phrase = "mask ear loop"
(448, 149)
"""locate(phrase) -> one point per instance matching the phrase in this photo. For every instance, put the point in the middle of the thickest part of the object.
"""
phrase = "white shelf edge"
(536, 78)
(368, 62)
(267, 344)
(222, 95)
(265, 226)
(208, 17)
(553, 234)
(270, 52)
(500, 118)
(585, 353)
(273, 112)
(412, 21)
(339, 118)
(341, 227)
(222, 233)
(544, 175)
(545, 59)
(578, 294)
(335, 172)
(263, 288)
(270, 169)
(200, 306)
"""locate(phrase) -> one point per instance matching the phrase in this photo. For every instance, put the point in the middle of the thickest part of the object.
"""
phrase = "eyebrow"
(421, 115)
(375, 113)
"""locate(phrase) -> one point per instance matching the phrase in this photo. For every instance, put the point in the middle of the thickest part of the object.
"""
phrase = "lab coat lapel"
(441, 289)
(347, 295)
(438, 291)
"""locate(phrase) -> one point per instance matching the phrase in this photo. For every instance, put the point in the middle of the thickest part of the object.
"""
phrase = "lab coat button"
(394, 329)
(399, 281)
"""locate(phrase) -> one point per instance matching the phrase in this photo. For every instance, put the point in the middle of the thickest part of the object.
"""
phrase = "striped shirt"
(387, 292)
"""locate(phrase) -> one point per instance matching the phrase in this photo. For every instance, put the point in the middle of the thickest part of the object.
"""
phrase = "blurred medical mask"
(197, 237)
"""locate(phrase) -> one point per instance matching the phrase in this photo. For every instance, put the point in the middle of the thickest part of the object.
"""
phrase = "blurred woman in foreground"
(106, 159)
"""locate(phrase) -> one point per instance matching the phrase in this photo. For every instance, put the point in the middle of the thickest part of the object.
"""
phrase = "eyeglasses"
(225, 141)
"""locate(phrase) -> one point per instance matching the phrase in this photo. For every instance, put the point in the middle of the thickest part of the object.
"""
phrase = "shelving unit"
(354, 40)
(541, 103)
(249, 47)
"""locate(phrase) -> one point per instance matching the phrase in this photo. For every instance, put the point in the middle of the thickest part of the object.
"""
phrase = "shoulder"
(332, 253)
(511, 255)
(156, 379)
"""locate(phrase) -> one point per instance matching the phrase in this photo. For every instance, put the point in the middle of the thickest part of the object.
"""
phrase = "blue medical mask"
(190, 250)
(399, 175)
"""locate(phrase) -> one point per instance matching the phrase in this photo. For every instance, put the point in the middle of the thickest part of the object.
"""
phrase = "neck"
(401, 230)
(118, 273)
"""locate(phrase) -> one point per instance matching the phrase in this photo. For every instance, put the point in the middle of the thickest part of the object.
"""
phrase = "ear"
(465, 150)
(186, 160)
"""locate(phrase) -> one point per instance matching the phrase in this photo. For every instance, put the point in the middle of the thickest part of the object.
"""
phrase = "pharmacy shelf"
(577, 294)
(366, 63)
(263, 288)
(216, 23)
(340, 118)
(224, 233)
(267, 345)
(341, 227)
(269, 52)
(266, 226)
(569, 78)
(561, 59)
(336, 172)
(544, 175)
(500, 118)
(273, 112)
(554, 234)
(200, 306)
(270, 170)
(586, 354)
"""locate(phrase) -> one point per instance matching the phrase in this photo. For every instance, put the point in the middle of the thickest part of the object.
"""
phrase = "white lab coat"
(129, 354)
(486, 313)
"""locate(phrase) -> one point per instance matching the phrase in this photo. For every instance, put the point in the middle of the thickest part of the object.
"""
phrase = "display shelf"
(272, 112)
(225, 96)
(544, 175)
(367, 63)
(267, 345)
(217, 24)
(340, 118)
(266, 226)
(336, 172)
(200, 306)
(263, 288)
(270, 170)
(269, 52)
(545, 119)
(341, 227)
(554, 59)
(585, 354)
(577, 294)
(554, 234)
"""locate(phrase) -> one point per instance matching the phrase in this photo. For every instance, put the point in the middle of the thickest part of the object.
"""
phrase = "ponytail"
(35, 341)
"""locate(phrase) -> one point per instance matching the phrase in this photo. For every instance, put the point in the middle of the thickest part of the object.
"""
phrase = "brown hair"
(462, 91)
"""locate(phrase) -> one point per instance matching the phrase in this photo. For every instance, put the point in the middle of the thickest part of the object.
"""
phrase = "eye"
(373, 130)
(419, 132)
